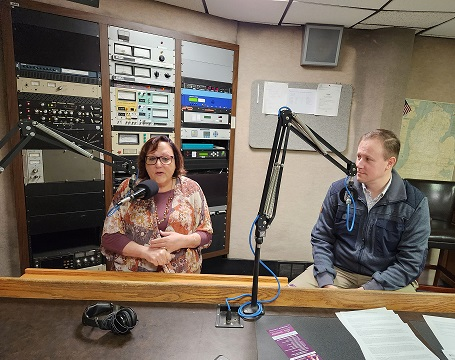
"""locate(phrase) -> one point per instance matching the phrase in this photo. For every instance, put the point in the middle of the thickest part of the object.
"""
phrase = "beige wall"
(432, 71)
(372, 62)
(383, 66)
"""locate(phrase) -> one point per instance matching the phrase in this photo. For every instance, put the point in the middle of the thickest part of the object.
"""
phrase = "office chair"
(441, 201)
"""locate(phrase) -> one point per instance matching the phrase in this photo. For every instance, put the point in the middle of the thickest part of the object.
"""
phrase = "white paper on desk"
(444, 330)
(328, 99)
(302, 101)
(394, 343)
(381, 335)
(275, 97)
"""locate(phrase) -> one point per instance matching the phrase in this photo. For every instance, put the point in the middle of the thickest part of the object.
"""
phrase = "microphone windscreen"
(344, 194)
(150, 186)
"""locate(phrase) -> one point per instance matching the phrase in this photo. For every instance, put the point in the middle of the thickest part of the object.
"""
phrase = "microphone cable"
(259, 303)
(130, 192)
(117, 206)
(349, 200)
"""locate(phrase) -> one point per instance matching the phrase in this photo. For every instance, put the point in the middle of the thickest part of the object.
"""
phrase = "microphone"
(348, 194)
(144, 190)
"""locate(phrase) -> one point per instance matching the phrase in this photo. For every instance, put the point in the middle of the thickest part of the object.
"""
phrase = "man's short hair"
(389, 140)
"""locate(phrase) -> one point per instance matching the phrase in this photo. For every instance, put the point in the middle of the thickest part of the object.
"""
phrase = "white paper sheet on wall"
(302, 101)
(328, 99)
(275, 97)
(334, 129)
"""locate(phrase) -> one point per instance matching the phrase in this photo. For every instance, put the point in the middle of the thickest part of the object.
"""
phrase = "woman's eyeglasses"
(165, 160)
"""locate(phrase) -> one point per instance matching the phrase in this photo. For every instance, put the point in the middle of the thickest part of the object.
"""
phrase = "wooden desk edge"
(201, 289)
(33, 273)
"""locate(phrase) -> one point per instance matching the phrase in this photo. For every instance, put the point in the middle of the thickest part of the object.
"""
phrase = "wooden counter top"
(205, 289)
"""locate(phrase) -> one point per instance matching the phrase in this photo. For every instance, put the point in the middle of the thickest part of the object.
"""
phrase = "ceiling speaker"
(321, 45)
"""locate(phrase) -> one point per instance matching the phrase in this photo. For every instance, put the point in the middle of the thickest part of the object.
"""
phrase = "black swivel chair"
(441, 201)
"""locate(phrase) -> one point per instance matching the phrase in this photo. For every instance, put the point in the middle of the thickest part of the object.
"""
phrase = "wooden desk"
(205, 289)
(42, 310)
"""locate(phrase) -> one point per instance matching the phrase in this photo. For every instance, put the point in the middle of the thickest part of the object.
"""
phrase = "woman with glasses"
(167, 232)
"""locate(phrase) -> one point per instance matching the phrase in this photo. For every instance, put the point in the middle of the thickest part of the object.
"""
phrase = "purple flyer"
(292, 344)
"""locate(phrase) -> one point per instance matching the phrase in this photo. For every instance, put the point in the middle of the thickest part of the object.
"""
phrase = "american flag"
(406, 108)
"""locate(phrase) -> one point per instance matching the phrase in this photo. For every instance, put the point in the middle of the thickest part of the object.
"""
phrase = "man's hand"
(330, 287)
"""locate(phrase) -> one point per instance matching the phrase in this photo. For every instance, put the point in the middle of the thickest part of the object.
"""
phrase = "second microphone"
(144, 190)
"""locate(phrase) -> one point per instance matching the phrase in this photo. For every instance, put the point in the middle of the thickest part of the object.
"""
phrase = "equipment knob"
(156, 73)
(167, 75)
(161, 58)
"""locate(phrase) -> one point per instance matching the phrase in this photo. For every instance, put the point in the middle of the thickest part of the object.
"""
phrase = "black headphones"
(108, 316)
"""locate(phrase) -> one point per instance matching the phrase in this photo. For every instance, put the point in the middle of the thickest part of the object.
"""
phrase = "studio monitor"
(321, 45)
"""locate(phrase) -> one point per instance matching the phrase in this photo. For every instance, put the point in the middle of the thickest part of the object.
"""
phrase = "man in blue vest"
(385, 248)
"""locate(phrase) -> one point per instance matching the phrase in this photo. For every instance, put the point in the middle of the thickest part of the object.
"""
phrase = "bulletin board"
(334, 129)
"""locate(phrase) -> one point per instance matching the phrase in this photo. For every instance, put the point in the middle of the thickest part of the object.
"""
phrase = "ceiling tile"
(369, 26)
(413, 14)
(375, 27)
(422, 5)
(195, 5)
(408, 19)
(370, 4)
(445, 30)
(256, 11)
(305, 13)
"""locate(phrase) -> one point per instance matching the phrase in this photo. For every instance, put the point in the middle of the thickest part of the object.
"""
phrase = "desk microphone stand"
(34, 130)
(287, 122)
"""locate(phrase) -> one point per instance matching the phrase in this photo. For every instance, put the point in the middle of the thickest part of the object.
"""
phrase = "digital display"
(123, 69)
(144, 72)
(123, 49)
(126, 95)
(129, 151)
(142, 53)
(160, 113)
(192, 98)
(128, 139)
(162, 99)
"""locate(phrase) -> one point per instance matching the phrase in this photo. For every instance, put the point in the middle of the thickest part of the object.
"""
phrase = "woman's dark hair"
(152, 145)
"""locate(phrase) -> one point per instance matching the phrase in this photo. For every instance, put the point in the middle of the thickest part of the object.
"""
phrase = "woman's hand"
(157, 256)
(173, 241)
(153, 255)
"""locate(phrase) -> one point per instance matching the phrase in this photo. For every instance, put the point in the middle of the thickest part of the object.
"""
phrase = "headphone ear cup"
(90, 315)
(123, 321)
(132, 315)
(108, 316)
